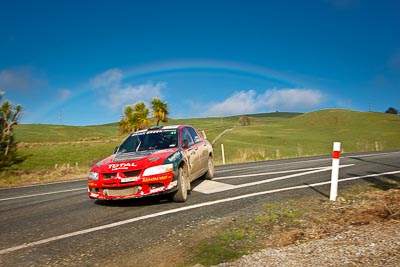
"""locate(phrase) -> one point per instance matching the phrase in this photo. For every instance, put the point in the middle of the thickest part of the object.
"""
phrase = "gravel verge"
(375, 244)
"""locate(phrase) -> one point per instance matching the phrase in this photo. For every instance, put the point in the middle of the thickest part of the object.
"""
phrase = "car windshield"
(149, 140)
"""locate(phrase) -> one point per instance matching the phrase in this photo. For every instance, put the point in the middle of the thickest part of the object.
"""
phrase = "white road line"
(210, 203)
(310, 160)
(44, 184)
(266, 173)
(273, 165)
(221, 185)
(371, 155)
(43, 194)
(206, 188)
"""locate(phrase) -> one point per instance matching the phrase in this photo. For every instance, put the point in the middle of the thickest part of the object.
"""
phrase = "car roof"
(169, 127)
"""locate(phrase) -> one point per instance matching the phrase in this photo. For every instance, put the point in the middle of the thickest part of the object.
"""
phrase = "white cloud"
(115, 95)
(21, 78)
(239, 103)
(109, 78)
(246, 102)
(295, 99)
(129, 95)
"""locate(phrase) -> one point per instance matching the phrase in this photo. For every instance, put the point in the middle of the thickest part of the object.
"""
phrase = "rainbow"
(156, 71)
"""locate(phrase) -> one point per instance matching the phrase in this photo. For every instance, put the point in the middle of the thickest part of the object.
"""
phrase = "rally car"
(158, 160)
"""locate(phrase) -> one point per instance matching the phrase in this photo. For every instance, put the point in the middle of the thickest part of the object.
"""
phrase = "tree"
(392, 110)
(142, 113)
(244, 120)
(136, 118)
(9, 117)
(160, 110)
(127, 123)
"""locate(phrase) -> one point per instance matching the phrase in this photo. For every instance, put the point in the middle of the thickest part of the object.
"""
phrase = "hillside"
(269, 136)
(312, 134)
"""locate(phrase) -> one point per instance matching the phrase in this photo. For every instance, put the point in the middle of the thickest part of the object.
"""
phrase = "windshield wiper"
(140, 142)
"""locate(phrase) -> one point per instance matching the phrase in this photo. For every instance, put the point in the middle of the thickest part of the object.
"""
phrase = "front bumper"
(113, 189)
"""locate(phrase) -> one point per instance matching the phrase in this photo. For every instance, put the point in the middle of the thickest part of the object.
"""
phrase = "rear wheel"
(210, 169)
(181, 194)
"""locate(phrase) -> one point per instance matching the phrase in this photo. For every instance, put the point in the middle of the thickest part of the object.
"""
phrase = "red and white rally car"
(159, 160)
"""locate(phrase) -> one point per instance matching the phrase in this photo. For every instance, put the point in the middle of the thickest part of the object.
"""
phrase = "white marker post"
(223, 154)
(335, 170)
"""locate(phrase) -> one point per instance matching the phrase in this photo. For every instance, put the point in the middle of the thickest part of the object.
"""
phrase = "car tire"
(210, 169)
(181, 194)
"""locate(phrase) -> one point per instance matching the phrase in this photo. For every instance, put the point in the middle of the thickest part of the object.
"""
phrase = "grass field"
(269, 136)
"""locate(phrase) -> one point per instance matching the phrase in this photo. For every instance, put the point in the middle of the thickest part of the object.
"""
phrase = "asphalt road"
(57, 224)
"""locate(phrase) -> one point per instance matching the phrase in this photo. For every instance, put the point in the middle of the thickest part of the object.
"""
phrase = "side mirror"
(203, 134)
(185, 143)
(116, 149)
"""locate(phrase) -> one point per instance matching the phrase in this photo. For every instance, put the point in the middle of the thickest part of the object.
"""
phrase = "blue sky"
(81, 62)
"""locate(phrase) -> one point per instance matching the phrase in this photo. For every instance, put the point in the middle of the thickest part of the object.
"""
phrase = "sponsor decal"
(154, 159)
(156, 179)
(155, 190)
(121, 166)
(138, 133)
(174, 156)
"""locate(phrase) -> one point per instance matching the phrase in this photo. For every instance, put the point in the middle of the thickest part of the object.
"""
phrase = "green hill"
(269, 136)
(313, 134)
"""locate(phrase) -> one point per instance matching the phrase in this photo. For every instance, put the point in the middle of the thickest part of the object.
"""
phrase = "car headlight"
(93, 176)
(158, 169)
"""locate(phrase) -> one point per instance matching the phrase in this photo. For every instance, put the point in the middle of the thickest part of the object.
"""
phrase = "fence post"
(335, 171)
(223, 153)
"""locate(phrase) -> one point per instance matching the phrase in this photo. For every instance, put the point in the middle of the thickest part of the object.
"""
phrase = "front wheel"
(181, 194)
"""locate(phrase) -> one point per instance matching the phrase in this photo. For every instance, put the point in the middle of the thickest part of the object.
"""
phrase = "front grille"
(109, 175)
(119, 192)
(132, 173)
(156, 185)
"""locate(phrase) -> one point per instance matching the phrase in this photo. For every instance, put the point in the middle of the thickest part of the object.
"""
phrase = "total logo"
(121, 166)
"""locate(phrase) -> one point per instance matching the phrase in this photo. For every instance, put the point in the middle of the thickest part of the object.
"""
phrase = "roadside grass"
(298, 221)
(221, 248)
(309, 135)
(20, 177)
(269, 136)
(85, 154)
(57, 162)
(46, 133)
(244, 236)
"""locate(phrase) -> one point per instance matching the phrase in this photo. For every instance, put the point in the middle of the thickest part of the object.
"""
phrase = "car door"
(191, 153)
(201, 151)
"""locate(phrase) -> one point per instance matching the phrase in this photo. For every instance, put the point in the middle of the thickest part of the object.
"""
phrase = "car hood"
(133, 160)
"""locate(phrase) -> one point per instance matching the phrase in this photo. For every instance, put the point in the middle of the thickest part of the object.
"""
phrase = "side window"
(187, 136)
(196, 137)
